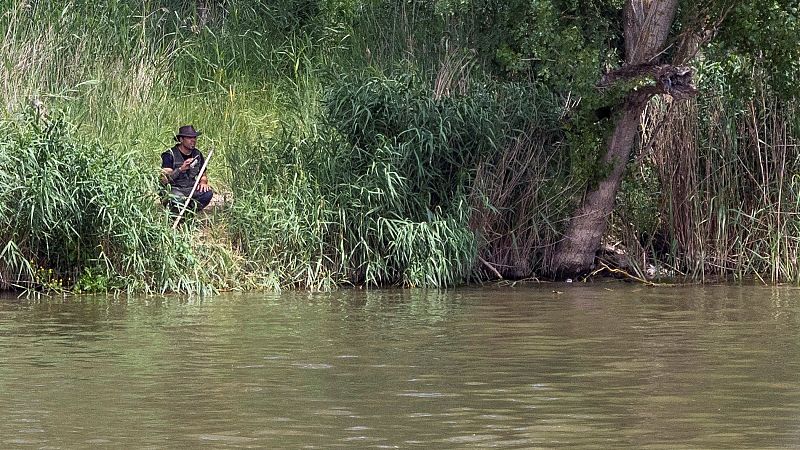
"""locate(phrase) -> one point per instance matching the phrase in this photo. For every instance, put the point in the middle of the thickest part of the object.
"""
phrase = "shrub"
(72, 206)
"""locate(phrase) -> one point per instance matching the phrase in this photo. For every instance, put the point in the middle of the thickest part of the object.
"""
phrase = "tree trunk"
(647, 25)
(577, 250)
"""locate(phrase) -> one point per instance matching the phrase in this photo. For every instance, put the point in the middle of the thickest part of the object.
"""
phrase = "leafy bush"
(70, 204)
(380, 192)
(377, 195)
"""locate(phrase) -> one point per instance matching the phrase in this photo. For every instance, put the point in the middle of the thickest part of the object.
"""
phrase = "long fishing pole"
(189, 198)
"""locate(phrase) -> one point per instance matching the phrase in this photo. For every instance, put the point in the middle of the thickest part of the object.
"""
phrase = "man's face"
(188, 142)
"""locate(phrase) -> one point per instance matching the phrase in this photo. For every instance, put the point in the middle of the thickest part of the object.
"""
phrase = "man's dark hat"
(187, 131)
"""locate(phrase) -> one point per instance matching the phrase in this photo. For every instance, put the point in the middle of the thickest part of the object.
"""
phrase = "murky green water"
(605, 365)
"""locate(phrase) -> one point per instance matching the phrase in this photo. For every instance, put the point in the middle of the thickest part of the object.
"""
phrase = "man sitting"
(180, 167)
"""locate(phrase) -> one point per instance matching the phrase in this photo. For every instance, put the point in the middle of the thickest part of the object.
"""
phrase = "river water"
(601, 365)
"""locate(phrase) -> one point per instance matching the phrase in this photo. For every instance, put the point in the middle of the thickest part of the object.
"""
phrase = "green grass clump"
(375, 195)
(88, 214)
(382, 187)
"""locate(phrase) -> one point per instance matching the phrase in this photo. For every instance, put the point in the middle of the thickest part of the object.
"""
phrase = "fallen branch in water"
(486, 263)
(626, 274)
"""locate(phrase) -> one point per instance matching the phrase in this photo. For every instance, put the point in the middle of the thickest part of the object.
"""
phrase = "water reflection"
(556, 366)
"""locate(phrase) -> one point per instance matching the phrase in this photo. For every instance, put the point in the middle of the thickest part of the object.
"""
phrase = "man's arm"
(166, 168)
(167, 172)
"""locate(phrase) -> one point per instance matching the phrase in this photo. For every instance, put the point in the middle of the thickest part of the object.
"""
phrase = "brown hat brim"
(179, 136)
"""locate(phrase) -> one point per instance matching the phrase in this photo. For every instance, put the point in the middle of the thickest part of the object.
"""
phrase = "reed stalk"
(727, 203)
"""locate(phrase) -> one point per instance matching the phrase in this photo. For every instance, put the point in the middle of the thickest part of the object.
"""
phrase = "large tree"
(650, 37)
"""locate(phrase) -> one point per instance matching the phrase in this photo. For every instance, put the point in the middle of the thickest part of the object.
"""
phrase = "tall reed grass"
(77, 213)
(721, 189)
(365, 143)
(374, 195)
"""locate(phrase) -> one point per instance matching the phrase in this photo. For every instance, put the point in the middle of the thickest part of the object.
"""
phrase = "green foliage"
(378, 194)
(638, 201)
(562, 44)
(340, 174)
(46, 281)
(70, 204)
(428, 142)
(93, 280)
(762, 36)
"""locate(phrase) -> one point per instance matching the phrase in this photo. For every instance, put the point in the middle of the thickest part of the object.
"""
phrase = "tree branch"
(676, 81)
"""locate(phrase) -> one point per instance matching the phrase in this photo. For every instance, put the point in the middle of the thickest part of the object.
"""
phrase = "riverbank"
(413, 144)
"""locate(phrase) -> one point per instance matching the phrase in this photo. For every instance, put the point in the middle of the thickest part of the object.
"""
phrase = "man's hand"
(203, 185)
(186, 164)
(166, 176)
